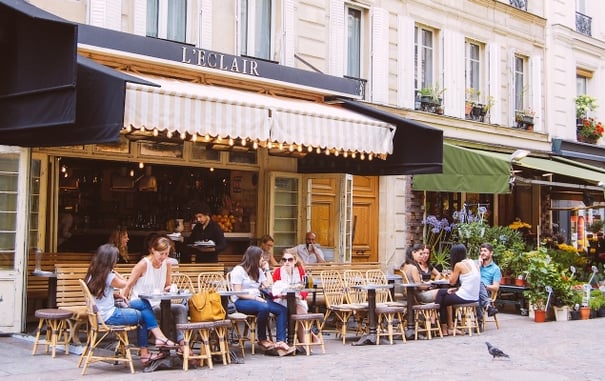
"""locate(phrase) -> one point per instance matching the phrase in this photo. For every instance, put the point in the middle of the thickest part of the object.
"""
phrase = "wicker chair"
(490, 319)
(424, 315)
(465, 318)
(390, 314)
(334, 293)
(98, 331)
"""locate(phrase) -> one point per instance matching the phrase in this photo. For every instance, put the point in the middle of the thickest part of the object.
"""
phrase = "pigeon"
(495, 352)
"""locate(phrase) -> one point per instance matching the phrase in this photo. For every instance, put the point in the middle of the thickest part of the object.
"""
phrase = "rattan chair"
(465, 318)
(334, 294)
(390, 314)
(424, 315)
(98, 331)
(486, 317)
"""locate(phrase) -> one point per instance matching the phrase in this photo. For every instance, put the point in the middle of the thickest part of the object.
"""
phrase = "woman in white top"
(101, 281)
(153, 272)
(249, 276)
(467, 272)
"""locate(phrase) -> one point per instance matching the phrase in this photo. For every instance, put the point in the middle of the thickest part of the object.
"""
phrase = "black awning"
(417, 148)
(50, 96)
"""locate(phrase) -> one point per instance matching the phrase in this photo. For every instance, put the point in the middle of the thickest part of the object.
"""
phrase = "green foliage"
(542, 272)
(585, 103)
(597, 299)
(440, 258)
(508, 244)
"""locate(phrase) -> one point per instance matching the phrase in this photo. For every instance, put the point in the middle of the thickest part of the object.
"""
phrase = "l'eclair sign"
(202, 57)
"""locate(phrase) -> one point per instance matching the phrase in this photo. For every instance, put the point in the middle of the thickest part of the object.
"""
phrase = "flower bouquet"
(590, 130)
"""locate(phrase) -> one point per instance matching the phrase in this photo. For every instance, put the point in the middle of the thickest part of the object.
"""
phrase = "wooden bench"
(70, 296)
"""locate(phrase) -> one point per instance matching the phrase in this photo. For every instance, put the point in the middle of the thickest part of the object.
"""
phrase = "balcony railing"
(519, 4)
(583, 24)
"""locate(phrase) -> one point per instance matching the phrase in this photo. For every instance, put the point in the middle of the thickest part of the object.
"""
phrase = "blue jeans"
(262, 310)
(140, 312)
(484, 301)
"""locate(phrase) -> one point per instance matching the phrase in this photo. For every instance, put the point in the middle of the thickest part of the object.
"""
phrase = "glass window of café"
(96, 196)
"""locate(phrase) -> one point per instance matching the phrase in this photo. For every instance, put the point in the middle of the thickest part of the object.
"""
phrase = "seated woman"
(249, 276)
(411, 269)
(291, 273)
(101, 281)
(119, 238)
(154, 272)
(466, 271)
(425, 267)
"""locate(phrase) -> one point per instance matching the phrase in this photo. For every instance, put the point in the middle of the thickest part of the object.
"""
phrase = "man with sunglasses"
(309, 252)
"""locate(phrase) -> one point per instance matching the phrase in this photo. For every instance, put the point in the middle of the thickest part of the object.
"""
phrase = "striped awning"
(185, 107)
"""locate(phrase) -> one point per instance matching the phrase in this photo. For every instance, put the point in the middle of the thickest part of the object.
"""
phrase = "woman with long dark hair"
(249, 276)
(101, 281)
(466, 271)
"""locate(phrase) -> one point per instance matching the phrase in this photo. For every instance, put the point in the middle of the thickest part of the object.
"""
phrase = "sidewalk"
(554, 351)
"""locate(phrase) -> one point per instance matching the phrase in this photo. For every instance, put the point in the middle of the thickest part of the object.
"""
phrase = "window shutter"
(336, 25)
(206, 25)
(535, 101)
(380, 55)
(405, 62)
(288, 33)
(140, 17)
(453, 73)
(493, 67)
(106, 14)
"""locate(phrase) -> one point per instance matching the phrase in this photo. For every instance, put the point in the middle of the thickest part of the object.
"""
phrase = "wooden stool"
(427, 312)
(221, 327)
(386, 317)
(191, 333)
(55, 320)
(304, 322)
(466, 317)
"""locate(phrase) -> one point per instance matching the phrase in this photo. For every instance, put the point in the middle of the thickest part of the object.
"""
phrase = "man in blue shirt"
(490, 278)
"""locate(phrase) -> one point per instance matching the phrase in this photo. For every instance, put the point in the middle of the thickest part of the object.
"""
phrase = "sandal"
(266, 344)
(283, 349)
(166, 344)
(151, 357)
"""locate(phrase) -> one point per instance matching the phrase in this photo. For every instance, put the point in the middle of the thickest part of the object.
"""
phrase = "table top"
(372, 286)
(394, 277)
(166, 296)
(45, 274)
(229, 293)
(440, 282)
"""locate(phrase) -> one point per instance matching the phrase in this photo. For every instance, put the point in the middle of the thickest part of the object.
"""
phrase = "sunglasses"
(287, 259)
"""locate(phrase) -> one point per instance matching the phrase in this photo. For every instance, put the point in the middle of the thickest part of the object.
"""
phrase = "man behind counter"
(205, 230)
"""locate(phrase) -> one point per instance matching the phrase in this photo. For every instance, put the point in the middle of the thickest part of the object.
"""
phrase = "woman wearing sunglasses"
(291, 274)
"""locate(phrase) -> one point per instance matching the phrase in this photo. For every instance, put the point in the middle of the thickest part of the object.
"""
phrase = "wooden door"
(365, 219)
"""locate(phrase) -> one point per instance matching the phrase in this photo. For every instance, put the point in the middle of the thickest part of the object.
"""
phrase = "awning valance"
(186, 107)
(417, 148)
(466, 170)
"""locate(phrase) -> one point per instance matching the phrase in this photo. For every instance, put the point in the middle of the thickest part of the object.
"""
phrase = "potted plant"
(525, 118)
(585, 103)
(542, 275)
(589, 130)
(597, 302)
(431, 95)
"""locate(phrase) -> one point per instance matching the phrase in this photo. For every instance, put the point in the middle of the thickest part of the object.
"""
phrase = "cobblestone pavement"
(554, 351)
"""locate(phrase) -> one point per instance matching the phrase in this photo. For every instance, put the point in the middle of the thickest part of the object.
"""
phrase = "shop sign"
(204, 58)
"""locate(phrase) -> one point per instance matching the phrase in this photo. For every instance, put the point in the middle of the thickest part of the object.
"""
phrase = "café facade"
(101, 129)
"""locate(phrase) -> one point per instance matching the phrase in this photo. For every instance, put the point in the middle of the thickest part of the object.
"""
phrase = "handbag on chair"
(206, 306)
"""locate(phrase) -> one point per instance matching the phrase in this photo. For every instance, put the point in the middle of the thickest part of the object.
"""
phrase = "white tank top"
(152, 279)
(469, 282)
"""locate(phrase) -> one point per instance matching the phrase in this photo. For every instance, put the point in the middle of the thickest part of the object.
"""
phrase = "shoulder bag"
(206, 306)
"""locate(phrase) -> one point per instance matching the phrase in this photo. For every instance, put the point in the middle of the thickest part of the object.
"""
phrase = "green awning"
(466, 170)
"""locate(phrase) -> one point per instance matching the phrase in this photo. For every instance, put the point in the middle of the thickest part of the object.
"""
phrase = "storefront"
(545, 191)
(141, 127)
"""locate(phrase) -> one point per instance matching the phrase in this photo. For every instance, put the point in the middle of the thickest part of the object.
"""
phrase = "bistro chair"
(247, 331)
(390, 314)
(356, 296)
(305, 323)
(98, 331)
(465, 318)
(423, 314)
(334, 294)
(55, 320)
(196, 333)
(490, 319)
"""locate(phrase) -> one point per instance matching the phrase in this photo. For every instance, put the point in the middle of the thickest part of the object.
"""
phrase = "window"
(581, 84)
(354, 42)
(473, 70)
(423, 58)
(167, 19)
(255, 28)
(520, 83)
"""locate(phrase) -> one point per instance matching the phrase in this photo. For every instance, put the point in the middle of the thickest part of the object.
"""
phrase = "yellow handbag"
(206, 306)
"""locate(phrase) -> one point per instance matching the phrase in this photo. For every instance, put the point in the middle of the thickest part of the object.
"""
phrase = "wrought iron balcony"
(583, 24)
(519, 4)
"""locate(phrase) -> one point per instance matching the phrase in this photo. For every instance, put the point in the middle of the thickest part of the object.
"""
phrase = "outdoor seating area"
(354, 303)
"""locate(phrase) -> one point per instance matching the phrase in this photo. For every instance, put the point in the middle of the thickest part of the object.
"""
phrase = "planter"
(588, 140)
(561, 313)
(574, 315)
(505, 280)
(520, 282)
(585, 313)
(539, 316)
(601, 312)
